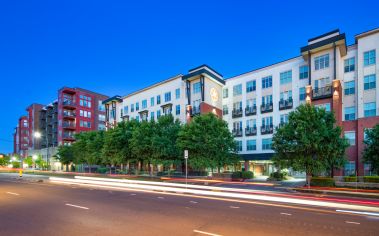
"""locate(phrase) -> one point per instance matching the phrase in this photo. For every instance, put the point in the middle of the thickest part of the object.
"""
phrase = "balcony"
(237, 113)
(267, 129)
(68, 125)
(251, 131)
(69, 104)
(68, 137)
(250, 111)
(324, 92)
(237, 132)
(285, 104)
(69, 115)
(195, 110)
(266, 108)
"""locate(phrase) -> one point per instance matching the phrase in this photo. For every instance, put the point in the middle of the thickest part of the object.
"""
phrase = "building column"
(247, 165)
(337, 101)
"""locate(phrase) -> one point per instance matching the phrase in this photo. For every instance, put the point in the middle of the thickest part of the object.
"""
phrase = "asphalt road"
(28, 207)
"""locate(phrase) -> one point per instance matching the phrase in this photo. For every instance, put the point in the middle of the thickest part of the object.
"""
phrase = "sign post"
(186, 158)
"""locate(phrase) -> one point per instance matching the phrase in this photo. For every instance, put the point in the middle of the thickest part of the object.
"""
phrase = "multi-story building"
(21, 136)
(49, 125)
(327, 73)
(79, 110)
(33, 113)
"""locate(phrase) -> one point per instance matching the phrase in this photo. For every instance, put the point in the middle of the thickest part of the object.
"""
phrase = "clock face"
(214, 94)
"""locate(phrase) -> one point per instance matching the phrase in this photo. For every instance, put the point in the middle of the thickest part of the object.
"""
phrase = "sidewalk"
(365, 193)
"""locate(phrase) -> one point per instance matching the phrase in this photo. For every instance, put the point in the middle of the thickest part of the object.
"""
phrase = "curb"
(338, 193)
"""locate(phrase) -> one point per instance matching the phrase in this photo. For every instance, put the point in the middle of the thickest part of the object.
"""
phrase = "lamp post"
(38, 135)
(186, 158)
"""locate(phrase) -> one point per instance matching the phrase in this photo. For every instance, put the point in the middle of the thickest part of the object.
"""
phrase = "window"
(137, 118)
(159, 99)
(251, 102)
(266, 144)
(370, 109)
(252, 123)
(251, 145)
(101, 117)
(349, 113)
(267, 82)
(287, 95)
(177, 93)
(365, 136)
(177, 109)
(267, 99)
(85, 101)
(302, 94)
(350, 136)
(158, 113)
(237, 105)
(239, 145)
(349, 64)
(225, 109)
(137, 106)
(370, 81)
(101, 127)
(152, 115)
(349, 168)
(167, 97)
(101, 106)
(237, 125)
(126, 110)
(321, 83)
(286, 77)
(132, 107)
(144, 104)
(303, 72)
(85, 124)
(152, 101)
(251, 86)
(196, 88)
(225, 93)
(237, 89)
(284, 119)
(267, 121)
(86, 114)
(325, 106)
(322, 62)
(369, 57)
(349, 88)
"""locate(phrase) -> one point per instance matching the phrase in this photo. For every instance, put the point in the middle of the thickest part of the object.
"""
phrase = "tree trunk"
(218, 169)
(308, 178)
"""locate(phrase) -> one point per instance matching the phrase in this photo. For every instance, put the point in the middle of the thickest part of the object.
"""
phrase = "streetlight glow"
(37, 134)
(34, 157)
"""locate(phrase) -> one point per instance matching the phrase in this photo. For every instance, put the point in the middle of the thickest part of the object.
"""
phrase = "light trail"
(217, 194)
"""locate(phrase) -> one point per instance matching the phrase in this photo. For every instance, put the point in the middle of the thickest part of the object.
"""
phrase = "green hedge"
(278, 176)
(350, 179)
(371, 179)
(242, 175)
(322, 182)
(102, 170)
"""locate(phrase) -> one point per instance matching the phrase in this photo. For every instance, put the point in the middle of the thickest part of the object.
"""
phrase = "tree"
(371, 151)
(4, 161)
(40, 162)
(65, 155)
(310, 141)
(166, 151)
(141, 142)
(29, 161)
(209, 142)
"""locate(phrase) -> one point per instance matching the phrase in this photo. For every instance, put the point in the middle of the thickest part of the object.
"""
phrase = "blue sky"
(116, 47)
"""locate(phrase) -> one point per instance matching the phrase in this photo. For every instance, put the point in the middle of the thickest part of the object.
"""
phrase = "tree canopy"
(371, 151)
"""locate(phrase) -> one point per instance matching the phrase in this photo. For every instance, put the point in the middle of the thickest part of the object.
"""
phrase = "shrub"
(278, 175)
(247, 175)
(371, 179)
(102, 170)
(237, 175)
(350, 178)
(322, 182)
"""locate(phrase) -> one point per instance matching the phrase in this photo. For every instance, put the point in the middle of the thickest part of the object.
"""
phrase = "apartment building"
(21, 136)
(327, 73)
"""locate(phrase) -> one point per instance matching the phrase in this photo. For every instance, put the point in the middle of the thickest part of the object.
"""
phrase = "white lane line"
(352, 222)
(360, 212)
(133, 194)
(13, 193)
(287, 214)
(193, 202)
(160, 197)
(81, 207)
(206, 233)
(234, 207)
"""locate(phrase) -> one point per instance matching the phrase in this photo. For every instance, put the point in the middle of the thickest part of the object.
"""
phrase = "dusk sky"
(117, 47)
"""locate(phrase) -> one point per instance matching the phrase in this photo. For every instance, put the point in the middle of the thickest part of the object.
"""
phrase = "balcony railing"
(68, 114)
(68, 103)
(267, 129)
(266, 108)
(324, 92)
(250, 131)
(68, 136)
(195, 110)
(237, 113)
(237, 132)
(285, 104)
(251, 110)
(68, 125)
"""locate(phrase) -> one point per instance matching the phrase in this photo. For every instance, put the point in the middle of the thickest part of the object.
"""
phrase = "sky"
(117, 47)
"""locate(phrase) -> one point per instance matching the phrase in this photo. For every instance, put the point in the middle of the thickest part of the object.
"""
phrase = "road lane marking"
(133, 194)
(352, 222)
(13, 193)
(359, 212)
(287, 214)
(160, 197)
(234, 207)
(206, 233)
(81, 207)
(193, 202)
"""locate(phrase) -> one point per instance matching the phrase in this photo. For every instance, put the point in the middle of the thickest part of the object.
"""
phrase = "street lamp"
(37, 135)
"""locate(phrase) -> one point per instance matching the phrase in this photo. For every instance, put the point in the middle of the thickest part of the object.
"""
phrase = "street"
(43, 208)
